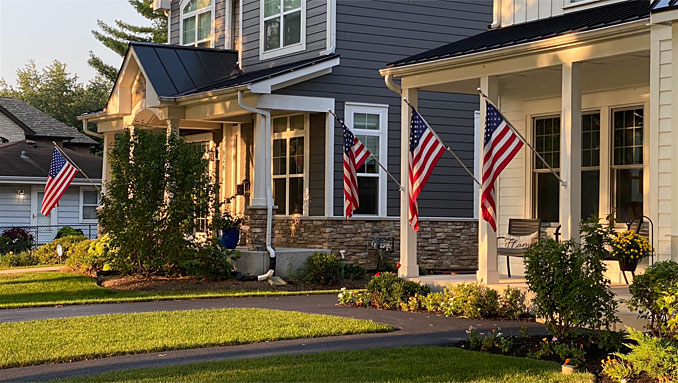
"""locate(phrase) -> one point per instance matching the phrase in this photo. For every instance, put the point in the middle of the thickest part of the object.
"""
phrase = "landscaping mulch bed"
(141, 283)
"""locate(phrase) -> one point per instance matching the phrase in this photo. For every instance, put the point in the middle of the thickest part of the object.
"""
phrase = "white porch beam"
(570, 151)
(408, 237)
(262, 162)
(488, 265)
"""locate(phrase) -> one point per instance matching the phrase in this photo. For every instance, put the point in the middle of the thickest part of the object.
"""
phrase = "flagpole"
(371, 155)
(444, 144)
(75, 165)
(487, 99)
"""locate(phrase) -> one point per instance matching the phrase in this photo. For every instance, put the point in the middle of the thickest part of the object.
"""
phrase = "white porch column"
(674, 142)
(408, 237)
(570, 151)
(262, 162)
(488, 268)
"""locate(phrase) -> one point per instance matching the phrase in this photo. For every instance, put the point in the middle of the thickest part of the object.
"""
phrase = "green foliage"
(618, 370)
(472, 300)
(512, 303)
(649, 288)
(657, 357)
(47, 253)
(91, 255)
(563, 352)
(322, 268)
(24, 258)
(668, 303)
(116, 37)
(354, 298)
(433, 302)
(67, 231)
(352, 271)
(211, 261)
(570, 287)
(57, 92)
(387, 290)
(15, 240)
(226, 220)
(154, 203)
(493, 341)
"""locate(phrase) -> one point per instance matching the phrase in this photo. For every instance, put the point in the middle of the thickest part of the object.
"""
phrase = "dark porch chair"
(519, 228)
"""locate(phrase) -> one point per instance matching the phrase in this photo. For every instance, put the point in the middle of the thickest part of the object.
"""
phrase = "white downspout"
(331, 36)
(269, 205)
(392, 85)
(89, 132)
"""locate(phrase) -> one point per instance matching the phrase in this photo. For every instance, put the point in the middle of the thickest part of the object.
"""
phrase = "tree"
(118, 36)
(57, 92)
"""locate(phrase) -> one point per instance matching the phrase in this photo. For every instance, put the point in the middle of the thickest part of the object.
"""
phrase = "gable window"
(283, 27)
(369, 123)
(627, 162)
(89, 202)
(197, 19)
(546, 188)
(289, 164)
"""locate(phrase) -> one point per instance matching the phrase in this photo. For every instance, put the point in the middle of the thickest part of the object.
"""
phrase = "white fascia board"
(296, 103)
(43, 181)
(664, 17)
(293, 77)
(162, 5)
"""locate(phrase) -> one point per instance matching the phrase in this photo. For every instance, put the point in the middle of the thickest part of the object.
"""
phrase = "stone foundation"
(254, 228)
(443, 245)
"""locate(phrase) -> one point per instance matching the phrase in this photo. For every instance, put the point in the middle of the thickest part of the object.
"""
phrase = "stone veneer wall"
(443, 245)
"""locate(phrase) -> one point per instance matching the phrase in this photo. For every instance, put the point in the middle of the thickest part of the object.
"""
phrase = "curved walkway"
(415, 329)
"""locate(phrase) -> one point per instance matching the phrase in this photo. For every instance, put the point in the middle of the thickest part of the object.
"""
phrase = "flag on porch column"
(355, 154)
(60, 175)
(501, 144)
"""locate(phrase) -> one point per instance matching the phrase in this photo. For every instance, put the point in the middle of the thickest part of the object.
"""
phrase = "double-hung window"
(627, 162)
(289, 164)
(282, 27)
(546, 188)
(197, 22)
(89, 202)
(590, 165)
(369, 124)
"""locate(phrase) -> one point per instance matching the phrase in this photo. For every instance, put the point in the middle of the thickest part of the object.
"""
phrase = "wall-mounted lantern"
(21, 193)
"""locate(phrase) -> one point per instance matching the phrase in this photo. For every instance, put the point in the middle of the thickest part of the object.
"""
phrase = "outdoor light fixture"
(21, 193)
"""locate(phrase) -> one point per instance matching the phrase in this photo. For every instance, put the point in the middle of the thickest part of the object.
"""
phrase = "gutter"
(89, 132)
(269, 204)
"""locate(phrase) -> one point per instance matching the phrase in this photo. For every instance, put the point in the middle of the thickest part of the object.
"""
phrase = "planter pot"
(626, 265)
(567, 369)
(229, 238)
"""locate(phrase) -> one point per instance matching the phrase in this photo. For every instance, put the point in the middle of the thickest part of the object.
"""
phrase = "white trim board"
(294, 77)
(295, 103)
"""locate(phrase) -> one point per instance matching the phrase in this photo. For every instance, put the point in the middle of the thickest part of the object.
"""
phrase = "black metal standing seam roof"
(580, 21)
(663, 5)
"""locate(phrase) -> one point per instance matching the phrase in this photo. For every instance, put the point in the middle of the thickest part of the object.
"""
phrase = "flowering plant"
(630, 247)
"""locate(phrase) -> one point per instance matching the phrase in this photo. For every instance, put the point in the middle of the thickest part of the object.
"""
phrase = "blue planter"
(229, 238)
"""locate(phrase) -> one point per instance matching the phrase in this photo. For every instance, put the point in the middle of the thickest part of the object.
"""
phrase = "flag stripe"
(60, 175)
(355, 155)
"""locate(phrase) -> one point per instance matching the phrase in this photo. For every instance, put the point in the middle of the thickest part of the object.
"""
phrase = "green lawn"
(416, 364)
(69, 339)
(49, 289)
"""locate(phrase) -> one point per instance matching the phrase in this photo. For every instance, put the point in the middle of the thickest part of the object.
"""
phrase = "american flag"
(61, 173)
(425, 151)
(355, 154)
(501, 144)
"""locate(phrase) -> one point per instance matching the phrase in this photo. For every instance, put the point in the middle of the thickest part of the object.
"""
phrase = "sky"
(45, 30)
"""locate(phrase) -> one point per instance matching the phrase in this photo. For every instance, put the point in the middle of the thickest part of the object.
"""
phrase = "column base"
(487, 277)
(674, 248)
(408, 271)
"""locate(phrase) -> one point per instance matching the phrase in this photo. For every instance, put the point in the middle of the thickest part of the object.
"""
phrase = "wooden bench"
(519, 228)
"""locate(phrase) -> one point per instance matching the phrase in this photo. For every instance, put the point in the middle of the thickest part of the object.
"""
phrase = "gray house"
(253, 81)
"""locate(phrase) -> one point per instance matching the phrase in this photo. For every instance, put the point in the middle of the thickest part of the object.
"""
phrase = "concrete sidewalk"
(415, 329)
(45, 269)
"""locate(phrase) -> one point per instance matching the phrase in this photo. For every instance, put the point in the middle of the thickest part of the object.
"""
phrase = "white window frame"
(287, 135)
(195, 14)
(282, 50)
(81, 205)
(350, 108)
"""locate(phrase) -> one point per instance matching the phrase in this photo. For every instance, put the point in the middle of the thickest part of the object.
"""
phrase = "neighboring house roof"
(580, 21)
(36, 123)
(39, 158)
(177, 70)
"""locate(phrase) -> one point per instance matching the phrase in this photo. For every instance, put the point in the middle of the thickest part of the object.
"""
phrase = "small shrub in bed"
(25, 258)
(352, 271)
(91, 255)
(68, 231)
(387, 290)
(657, 357)
(472, 300)
(15, 240)
(322, 268)
(648, 291)
(512, 303)
(47, 253)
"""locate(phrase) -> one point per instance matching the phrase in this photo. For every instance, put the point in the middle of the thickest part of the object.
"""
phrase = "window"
(546, 188)
(627, 162)
(369, 123)
(283, 27)
(89, 201)
(590, 164)
(197, 19)
(289, 157)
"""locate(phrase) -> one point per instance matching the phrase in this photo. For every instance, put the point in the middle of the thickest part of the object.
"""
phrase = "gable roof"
(35, 123)
(580, 21)
(39, 158)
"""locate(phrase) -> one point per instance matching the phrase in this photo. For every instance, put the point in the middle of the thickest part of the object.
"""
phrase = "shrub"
(433, 302)
(569, 286)
(512, 303)
(352, 271)
(322, 268)
(47, 253)
(657, 357)
(472, 300)
(494, 340)
(15, 240)
(25, 258)
(211, 262)
(78, 256)
(617, 369)
(91, 255)
(68, 231)
(647, 290)
(387, 290)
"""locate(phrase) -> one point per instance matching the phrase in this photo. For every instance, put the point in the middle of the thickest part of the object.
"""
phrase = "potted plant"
(629, 248)
(228, 229)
